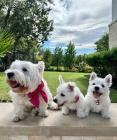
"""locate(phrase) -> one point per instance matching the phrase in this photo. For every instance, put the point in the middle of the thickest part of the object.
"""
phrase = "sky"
(82, 22)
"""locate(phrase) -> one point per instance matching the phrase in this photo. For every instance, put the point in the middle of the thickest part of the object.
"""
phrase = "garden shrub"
(88, 68)
(85, 68)
(104, 62)
(74, 69)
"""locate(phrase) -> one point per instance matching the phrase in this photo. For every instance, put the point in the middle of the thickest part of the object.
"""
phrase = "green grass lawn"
(80, 79)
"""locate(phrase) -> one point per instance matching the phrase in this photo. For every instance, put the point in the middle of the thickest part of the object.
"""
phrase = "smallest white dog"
(70, 98)
(97, 97)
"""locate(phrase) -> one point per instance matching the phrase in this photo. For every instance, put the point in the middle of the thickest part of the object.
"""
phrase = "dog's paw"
(43, 114)
(65, 112)
(18, 118)
(106, 116)
(54, 106)
(86, 114)
(15, 119)
(22, 117)
(81, 115)
(34, 112)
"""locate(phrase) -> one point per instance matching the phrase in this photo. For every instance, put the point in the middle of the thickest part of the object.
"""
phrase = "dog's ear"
(92, 76)
(108, 80)
(61, 79)
(71, 86)
(41, 66)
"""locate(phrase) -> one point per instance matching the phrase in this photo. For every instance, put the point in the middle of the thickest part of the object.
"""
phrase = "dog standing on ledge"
(28, 88)
(97, 97)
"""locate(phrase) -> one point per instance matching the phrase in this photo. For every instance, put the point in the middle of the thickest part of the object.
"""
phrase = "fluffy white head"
(23, 76)
(99, 87)
(65, 92)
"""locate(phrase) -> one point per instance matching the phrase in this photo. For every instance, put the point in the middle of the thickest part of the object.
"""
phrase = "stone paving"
(57, 126)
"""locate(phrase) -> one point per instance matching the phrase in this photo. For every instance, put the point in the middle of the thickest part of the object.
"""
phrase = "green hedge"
(104, 62)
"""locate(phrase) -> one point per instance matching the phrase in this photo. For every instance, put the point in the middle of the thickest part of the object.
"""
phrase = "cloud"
(79, 21)
(78, 46)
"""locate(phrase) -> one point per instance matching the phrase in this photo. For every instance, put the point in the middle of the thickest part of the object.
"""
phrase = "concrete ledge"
(57, 124)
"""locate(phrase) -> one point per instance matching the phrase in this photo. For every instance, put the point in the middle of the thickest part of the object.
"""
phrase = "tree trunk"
(7, 17)
(15, 48)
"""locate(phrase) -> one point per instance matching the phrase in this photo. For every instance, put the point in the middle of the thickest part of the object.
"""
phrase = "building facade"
(113, 26)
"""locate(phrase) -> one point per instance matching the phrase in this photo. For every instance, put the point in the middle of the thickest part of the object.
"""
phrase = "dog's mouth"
(96, 94)
(60, 105)
(13, 83)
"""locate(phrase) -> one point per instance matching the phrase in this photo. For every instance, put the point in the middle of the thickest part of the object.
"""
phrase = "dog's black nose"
(55, 100)
(96, 88)
(10, 75)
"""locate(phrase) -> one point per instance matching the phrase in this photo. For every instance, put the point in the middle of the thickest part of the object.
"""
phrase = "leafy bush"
(85, 68)
(81, 69)
(104, 62)
(74, 69)
(50, 69)
(54, 68)
(6, 41)
(88, 68)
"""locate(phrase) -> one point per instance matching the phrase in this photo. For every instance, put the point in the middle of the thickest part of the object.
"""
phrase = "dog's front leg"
(80, 113)
(18, 112)
(65, 110)
(52, 105)
(43, 109)
(87, 110)
(105, 113)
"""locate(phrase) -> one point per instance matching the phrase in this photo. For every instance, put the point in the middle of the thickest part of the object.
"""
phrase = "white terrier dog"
(70, 98)
(28, 88)
(97, 97)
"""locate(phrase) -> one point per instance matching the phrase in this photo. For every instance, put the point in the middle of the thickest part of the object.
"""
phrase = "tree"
(47, 58)
(28, 51)
(79, 60)
(58, 57)
(103, 43)
(28, 19)
(69, 57)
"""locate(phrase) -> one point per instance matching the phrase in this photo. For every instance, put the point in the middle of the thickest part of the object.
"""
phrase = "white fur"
(69, 98)
(30, 79)
(104, 100)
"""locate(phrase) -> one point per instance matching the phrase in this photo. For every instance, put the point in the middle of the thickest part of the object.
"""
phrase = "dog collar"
(34, 96)
(75, 99)
(97, 102)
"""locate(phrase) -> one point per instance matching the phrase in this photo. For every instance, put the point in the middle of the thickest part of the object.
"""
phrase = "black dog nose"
(55, 100)
(96, 88)
(10, 75)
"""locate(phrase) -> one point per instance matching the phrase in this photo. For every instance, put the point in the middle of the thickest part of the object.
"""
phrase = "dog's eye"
(103, 86)
(24, 69)
(93, 84)
(62, 94)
